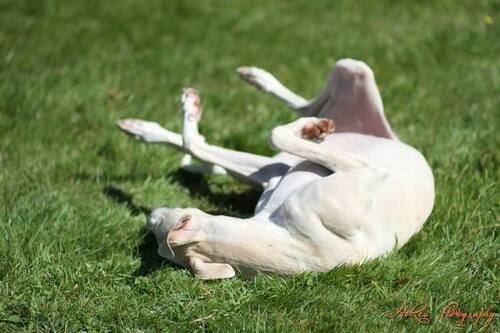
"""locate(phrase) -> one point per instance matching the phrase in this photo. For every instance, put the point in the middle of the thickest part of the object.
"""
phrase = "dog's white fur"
(327, 199)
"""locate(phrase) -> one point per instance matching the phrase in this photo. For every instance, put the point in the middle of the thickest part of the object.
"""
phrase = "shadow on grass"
(104, 176)
(126, 199)
(229, 203)
(146, 251)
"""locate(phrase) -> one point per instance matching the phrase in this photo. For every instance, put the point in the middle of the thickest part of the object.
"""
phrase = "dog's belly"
(280, 188)
(367, 209)
(304, 172)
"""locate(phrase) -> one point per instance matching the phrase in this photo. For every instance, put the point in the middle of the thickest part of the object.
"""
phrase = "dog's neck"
(251, 245)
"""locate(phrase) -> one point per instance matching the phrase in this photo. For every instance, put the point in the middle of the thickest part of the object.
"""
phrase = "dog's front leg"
(151, 132)
(251, 168)
(210, 271)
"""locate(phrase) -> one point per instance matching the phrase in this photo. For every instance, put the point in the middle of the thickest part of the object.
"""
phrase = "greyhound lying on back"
(328, 199)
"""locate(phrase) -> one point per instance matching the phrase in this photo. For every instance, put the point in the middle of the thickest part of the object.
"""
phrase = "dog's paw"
(318, 130)
(191, 104)
(140, 129)
(257, 77)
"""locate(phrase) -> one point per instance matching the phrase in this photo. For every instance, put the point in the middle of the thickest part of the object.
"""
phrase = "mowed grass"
(74, 253)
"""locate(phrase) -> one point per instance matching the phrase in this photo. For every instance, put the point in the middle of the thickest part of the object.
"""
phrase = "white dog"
(328, 199)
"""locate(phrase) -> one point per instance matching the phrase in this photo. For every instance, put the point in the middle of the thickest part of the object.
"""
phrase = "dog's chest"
(280, 188)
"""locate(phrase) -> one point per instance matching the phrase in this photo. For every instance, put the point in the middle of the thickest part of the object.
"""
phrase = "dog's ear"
(209, 271)
(165, 251)
(182, 223)
(176, 236)
(188, 229)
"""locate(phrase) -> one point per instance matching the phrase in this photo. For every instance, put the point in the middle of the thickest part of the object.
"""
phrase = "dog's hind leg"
(265, 81)
(295, 138)
(350, 97)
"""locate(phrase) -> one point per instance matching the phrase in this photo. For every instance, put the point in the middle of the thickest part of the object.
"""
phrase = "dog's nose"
(156, 217)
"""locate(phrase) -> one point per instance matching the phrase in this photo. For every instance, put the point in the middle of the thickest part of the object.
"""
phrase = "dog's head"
(175, 229)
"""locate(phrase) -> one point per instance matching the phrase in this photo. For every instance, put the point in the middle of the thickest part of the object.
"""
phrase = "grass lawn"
(74, 253)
